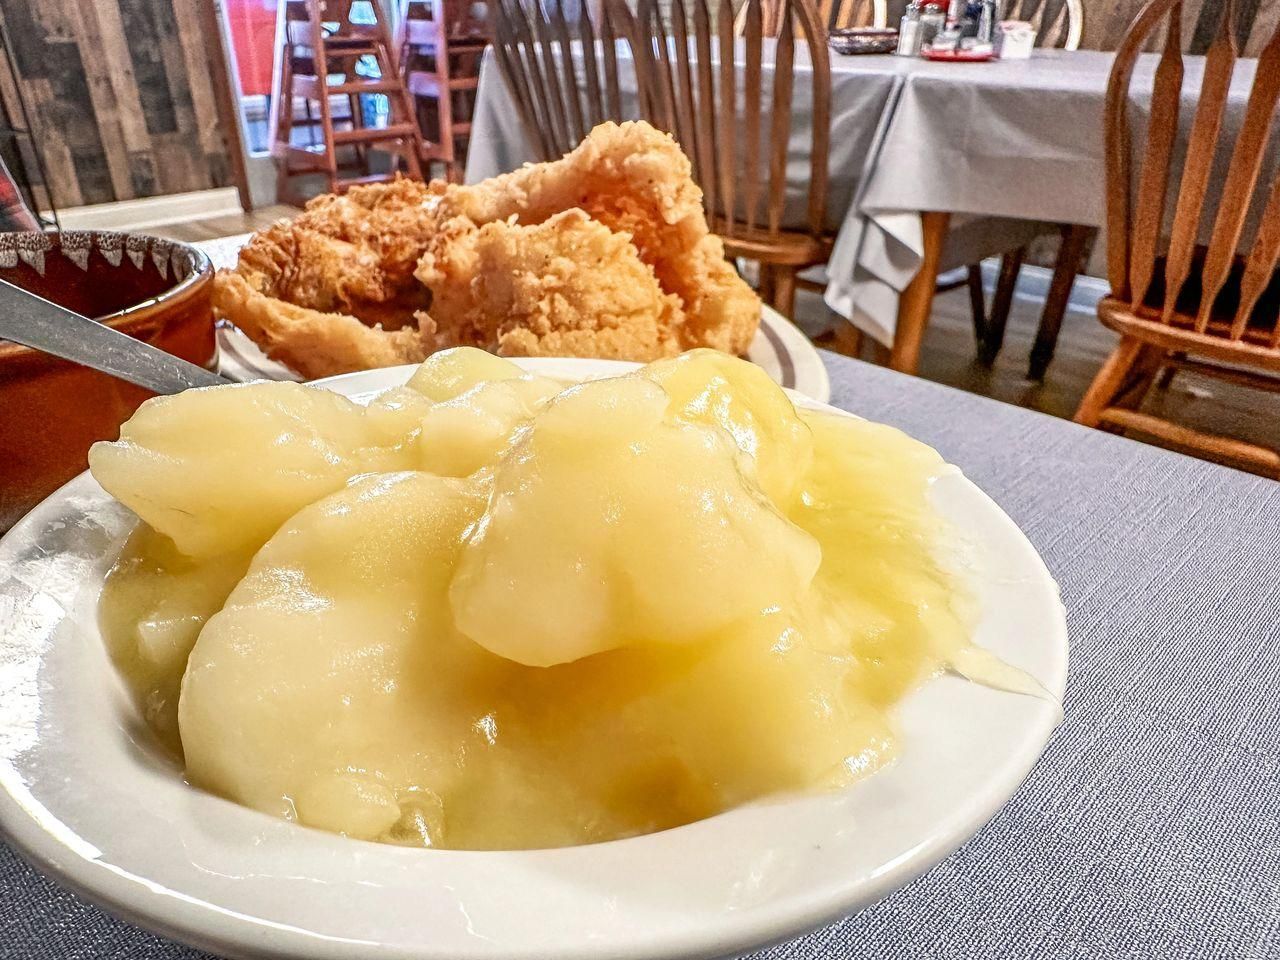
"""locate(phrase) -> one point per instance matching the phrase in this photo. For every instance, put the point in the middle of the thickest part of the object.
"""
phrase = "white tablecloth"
(1008, 147)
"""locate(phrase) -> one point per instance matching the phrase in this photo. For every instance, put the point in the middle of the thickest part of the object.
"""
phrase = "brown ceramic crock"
(52, 410)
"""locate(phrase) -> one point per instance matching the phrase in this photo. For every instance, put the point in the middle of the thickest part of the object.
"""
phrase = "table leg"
(1074, 240)
(917, 299)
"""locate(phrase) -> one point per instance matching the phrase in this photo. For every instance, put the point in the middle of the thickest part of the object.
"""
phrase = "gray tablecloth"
(1151, 826)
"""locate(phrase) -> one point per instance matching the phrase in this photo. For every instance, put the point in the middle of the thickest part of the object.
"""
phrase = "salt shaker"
(909, 31)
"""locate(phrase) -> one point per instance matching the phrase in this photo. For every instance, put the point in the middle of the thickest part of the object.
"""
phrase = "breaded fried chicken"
(312, 342)
(603, 253)
(333, 289)
(352, 254)
(566, 287)
(635, 180)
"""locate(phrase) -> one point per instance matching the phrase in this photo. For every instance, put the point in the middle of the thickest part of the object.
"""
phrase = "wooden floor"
(228, 226)
(949, 355)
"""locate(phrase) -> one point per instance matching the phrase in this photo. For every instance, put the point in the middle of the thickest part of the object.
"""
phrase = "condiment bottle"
(909, 31)
(932, 22)
(987, 21)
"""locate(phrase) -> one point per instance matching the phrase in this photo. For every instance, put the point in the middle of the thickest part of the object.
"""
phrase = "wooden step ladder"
(442, 42)
(320, 49)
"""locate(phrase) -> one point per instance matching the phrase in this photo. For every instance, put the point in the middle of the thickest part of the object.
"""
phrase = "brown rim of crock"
(201, 274)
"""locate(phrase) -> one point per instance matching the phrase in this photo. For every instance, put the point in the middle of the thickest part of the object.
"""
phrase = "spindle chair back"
(560, 61)
(1193, 284)
(1058, 23)
(840, 14)
(709, 90)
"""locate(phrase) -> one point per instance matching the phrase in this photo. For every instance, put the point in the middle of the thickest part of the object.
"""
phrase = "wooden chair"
(533, 45)
(1058, 23)
(320, 42)
(836, 14)
(1175, 300)
(441, 44)
(840, 14)
(744, 187)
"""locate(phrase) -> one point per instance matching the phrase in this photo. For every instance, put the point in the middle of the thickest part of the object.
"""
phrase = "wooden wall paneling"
(52, 77)
(21, 149)
(122, 96)
(171, 121)
(117, 109)
(200, 36)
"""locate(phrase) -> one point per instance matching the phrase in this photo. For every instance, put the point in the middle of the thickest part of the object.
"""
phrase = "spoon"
(37, 323)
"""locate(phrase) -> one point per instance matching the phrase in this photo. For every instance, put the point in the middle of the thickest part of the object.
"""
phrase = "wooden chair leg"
(1001, 303)
(1165, 379)
(917, 300)
(314, 8)
(847, 338)
(765, 281)
(284, 129)
(1146, 367)
(1108, 382)
(784, 291)
(1075, 239)
(977, 303)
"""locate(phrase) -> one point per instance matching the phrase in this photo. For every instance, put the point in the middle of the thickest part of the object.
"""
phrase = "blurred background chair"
(1059, 23)
(842, 14)
(834, 14)
(561, 95)
(440, 47)
(691, 65)
(322, 43)
(1203, 293)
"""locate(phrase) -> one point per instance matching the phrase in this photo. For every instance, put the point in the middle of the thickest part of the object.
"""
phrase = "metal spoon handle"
(35, 322)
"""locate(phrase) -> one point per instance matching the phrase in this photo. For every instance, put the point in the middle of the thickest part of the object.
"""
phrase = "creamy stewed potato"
(489, 612)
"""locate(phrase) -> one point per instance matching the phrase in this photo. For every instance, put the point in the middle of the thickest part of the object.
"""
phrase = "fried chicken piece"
(721, 309)
(567, 287)
(314, 343)
(353, 254)
(333, 289)
(396, 220)
(609, 256)
(636, 180)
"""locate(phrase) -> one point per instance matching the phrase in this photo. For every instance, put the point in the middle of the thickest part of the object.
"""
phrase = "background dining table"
(1006, 149)
(1151, 825)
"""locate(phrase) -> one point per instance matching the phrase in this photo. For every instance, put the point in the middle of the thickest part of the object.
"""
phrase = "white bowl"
(88, 798)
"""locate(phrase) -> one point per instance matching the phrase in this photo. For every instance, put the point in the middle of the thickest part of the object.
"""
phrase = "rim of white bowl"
(187, 918)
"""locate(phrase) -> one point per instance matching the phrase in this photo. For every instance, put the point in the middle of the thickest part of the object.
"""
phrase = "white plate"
(86, 797)
(785, 353)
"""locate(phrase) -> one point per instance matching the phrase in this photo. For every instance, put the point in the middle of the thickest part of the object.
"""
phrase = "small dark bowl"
(53, 410)
(856, 40)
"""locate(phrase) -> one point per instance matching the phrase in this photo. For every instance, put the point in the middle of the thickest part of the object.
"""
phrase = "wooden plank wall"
(120, 94)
